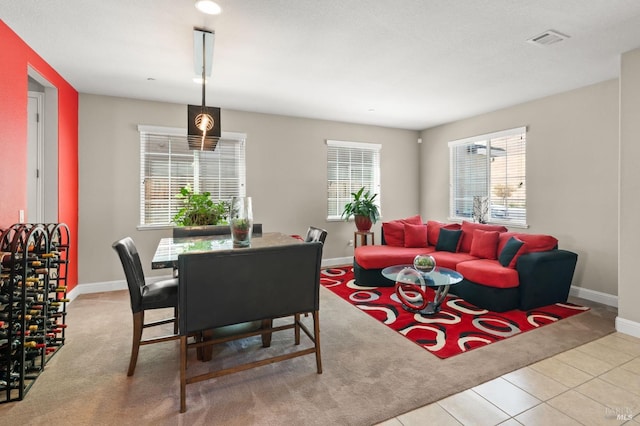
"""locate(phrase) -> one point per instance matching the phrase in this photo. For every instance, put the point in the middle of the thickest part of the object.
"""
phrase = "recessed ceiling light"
(209, 7)
(198, 80)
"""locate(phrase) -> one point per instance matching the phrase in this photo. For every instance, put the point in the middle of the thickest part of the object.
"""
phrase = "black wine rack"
(33, 303)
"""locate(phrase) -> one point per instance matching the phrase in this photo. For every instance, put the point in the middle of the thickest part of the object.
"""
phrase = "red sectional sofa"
(502, 270)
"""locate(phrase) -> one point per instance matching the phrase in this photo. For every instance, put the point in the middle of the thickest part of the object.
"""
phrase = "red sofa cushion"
(415, 235)
(484, 244)
(393, 233)
(378, 257)
(488, 273)
(394, 230)
(532, 242)
(538, 242)
(467, 233)
(414, 220)
(433, 230)
(449, 260)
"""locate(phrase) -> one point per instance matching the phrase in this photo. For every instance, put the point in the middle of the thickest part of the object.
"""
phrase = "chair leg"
(175, 322)
(266, 337)
(138, 321)
(296, 319)
(316, 335)
(183, 374)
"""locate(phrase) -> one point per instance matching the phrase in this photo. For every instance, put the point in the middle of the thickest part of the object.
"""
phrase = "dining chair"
(227, 287)
(145, 296)
(315, 234)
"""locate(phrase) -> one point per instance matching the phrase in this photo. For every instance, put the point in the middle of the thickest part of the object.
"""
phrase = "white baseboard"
(97, 288)
(594, 296)
(629, 327)
(337, 261)
(625, 326)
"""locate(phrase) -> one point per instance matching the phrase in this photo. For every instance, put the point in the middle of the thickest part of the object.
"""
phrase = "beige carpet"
(371, 373)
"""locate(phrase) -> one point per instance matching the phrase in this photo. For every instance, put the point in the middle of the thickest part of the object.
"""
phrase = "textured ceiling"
(409, 64)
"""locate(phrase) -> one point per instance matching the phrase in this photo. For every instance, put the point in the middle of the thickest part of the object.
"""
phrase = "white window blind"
(493, 167)
(350, 166)
(167, 164)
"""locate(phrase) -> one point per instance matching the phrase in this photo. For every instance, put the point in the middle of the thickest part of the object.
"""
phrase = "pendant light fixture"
(203, 122)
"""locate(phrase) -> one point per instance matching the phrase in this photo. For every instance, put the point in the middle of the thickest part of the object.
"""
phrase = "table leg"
(205, 353)
(434, 306)
(266, 337)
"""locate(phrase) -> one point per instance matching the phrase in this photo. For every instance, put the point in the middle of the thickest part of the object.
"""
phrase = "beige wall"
(629, 286)
(572, 173)
(286, 176)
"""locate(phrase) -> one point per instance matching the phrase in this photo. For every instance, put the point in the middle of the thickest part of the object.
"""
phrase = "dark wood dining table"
(168, 250)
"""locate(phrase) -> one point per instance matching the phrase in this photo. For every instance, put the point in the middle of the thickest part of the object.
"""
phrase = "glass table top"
(166, 255)
(438, 277)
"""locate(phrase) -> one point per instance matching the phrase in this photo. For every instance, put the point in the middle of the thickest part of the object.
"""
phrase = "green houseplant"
(199, 209)
(241, 221)
(240, 228)
(363, 209)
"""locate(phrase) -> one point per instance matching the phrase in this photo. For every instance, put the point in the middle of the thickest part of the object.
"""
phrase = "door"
(35, 150)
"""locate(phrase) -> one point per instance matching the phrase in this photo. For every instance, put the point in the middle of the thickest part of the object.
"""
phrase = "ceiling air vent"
(548, 37)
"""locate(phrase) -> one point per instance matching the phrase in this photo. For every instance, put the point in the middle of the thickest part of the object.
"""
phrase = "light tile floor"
(594, 384)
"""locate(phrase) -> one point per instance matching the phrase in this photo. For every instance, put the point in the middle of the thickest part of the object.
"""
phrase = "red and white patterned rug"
(458, 327)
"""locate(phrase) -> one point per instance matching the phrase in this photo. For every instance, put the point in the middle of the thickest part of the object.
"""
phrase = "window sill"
(154, 227)
(497, 222)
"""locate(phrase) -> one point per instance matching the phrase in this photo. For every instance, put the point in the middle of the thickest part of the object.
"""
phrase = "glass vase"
(241, 221)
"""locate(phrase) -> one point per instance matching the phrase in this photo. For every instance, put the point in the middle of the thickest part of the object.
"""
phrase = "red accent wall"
(15, 58)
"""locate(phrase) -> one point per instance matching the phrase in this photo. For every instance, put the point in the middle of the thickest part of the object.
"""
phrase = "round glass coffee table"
(411, 286)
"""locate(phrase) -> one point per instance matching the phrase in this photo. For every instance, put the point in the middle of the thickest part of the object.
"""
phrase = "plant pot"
(241, 238)
(363, 223)
(194, 231)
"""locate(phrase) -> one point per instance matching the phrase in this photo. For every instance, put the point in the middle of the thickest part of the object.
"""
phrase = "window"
(350, 166)
(492, 169)
(167, 164)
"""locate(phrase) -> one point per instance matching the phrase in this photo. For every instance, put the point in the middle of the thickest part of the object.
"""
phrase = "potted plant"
(241, 221)
(240, 228)
(199, 209)
(363, 209)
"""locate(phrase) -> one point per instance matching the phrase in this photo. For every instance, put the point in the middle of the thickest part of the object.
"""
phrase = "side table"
(363, 236)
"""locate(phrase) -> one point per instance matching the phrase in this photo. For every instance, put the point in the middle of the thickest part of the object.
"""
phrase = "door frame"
(49, 171)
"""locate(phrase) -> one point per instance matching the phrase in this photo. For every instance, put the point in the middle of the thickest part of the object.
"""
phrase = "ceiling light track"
(203, 123)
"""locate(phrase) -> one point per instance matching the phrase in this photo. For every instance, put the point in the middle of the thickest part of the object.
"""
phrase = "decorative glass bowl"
(424, 263)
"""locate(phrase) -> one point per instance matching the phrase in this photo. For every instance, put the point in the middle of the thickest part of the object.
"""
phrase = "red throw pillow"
(414, 220)
(468, 235)
(393, 233)
(433, 230)
(415, 235)
(485, 244)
